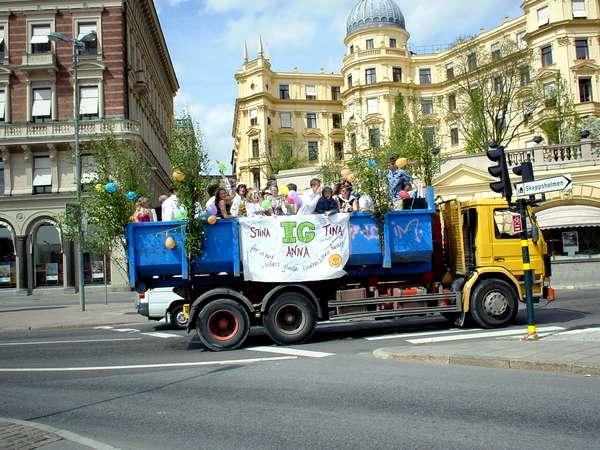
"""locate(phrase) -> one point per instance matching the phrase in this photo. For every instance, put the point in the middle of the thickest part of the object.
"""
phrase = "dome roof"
(375, 14)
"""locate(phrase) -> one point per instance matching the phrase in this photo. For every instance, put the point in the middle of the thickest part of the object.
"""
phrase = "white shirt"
(309, 202)
(254, 209)
(235, 205)
(365, 203)
(170, 208)
(209, 202)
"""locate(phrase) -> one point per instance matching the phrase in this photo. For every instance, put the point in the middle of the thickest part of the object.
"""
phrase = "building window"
(528, 109)
(521, 44)
(268, 120)
(255, 149)
(286, 119)
(313, 151)
(88, 169)
(429, 137)
(2, 105)
(256, 180)
(353, 142)
(349, 81)
(2, 44)
(352, 49)
(454, 136)
(311, 120)
(372, 106)
(311, 92)
(88, 102)
(543, 16)
(42, 175)
(336, 93)
(498, 85)
(284, 91)
(525, 75)
(393, 43)
(425, 76)
(370, 44)
(549, 93)
(41, 109)
(337, 120)
(371, 76)
(338, 151)
(427, 105)
(581, 48)
(48, 256)
(374, 138)
(253, 117)
(1, 177)
(472, 61)
(397, 74)
(449, 71)
(452, 102)
(547, 56)
(39, 39)
(585, 89)
(496, 52)
(579, 11)
(90, 47)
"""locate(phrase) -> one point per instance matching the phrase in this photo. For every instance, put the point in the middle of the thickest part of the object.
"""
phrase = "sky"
(206, 39)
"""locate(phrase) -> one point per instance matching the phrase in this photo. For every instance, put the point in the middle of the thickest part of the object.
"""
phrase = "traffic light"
(503, 186)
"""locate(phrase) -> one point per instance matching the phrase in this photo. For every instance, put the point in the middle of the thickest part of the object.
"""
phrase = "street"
(147, 386)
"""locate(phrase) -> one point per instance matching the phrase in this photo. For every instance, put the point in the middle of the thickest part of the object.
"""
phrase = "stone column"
(21, 251)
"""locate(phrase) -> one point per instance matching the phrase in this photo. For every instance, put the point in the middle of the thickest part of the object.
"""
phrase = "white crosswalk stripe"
(162, 335)
(289, 351)
(480, 335)
(420, 333)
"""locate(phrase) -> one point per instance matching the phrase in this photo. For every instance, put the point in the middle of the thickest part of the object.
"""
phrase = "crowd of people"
(225, 202)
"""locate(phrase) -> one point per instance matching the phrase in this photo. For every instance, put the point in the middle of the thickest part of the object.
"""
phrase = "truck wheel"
(223, 325)
(291, 319)
(178, 320)
(493, 304)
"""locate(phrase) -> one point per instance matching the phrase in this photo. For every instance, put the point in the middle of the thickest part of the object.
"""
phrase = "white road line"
(83, 341)
(420, 333)
(104, 327)
(162, 335)
(461, 337)
(147, 366)
(580, 331)
(290, 351)
(126, 330)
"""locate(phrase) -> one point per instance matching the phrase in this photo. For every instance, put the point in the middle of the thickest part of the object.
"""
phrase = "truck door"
(506, 240)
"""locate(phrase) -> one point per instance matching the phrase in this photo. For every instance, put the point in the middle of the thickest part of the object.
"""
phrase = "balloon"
(292, 194)
(222, 167)
(401, 163)
(212, 220)
(372, 163)
(178, 175)
(266, 204)
(212, 209)
(170, 243)
(284, 190)
(351, 178)
(111, 188)
(181, 215)
(99, 187)
(298, 201)
(344, 173)
(132, 196)
(290, 200)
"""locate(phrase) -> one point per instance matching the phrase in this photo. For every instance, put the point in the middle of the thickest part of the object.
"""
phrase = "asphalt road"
(329, 393)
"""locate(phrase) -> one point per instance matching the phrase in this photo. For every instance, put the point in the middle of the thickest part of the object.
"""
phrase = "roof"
(375, 14)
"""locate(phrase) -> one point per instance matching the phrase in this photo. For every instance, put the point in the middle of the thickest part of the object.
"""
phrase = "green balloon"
(181, 215)
(266, 204)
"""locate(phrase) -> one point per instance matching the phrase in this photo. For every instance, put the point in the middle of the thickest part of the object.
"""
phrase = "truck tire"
(177, 319)
(291, 319)
(494, 304)
(223, 324)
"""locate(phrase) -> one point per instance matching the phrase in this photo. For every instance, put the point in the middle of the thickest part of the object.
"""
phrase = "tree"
(494, 95)
(286, 158)
(592, 124)
(562, 123)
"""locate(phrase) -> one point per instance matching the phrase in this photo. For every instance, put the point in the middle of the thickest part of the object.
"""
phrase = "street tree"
(561, 123)
(286, 157)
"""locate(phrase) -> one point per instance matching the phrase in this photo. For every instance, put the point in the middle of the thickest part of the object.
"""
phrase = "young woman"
(253, 205)
(327, 204)
(238, 206)
(223, 205)
(348, 203)
(143, 212)
(277, 202)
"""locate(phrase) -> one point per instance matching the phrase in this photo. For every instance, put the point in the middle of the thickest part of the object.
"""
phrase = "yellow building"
(313, 110)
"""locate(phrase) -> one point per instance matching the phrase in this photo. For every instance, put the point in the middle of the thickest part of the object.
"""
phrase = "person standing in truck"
(171, 206)
(238, 205)
(397, 177)
(310, 197)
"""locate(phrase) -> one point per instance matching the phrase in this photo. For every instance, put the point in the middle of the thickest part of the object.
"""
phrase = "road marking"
(290, 351)
(461, 337)
(104, 327)
(69, 342)
(580, 331)
(148, 366)
(421, 333)
(126, 330)
(161, 335)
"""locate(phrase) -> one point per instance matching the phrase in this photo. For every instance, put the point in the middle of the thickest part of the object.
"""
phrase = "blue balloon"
(132, 196)
(372, 163)
(111, 188)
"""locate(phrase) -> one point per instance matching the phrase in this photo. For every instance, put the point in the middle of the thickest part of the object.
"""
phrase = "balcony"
(38, 61)
(56, 132)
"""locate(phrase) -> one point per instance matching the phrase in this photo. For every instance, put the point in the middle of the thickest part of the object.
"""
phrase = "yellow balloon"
(170, 243)
(344, 173)
(284, 190)
(178, 175)
(99, 188)
(401, 163)
(351, 178)
(212, 220)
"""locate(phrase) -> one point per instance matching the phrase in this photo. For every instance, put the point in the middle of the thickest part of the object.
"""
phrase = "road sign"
(517, 224)
(561, 183)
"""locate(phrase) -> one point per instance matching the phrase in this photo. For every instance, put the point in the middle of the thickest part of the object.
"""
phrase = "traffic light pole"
(528, 273)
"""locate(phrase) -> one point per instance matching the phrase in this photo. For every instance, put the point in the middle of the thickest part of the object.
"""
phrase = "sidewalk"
(569, 353)
(18, 434)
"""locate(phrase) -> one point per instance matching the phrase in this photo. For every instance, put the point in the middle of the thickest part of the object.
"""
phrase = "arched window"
(48, 258)
(8, 276)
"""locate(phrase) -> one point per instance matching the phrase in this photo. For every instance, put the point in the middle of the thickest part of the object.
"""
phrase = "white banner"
(294, 248)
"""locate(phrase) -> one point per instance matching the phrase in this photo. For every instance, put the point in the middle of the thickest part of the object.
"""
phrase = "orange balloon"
(170, 243)
(401, 163)
(212, 220)
(351, 178)
(344, 173)
(178, 175)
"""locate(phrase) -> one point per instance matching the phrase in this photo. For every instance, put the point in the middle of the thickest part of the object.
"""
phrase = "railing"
(38, 59)
(556, 154)
(67, 129)
(429, 49)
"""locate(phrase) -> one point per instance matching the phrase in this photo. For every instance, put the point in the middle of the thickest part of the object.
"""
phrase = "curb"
(67, 435)
(495, 363)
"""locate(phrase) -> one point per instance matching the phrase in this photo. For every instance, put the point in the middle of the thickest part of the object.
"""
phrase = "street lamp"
(77, 44)
(538, 139)
(435, 150)
(585, 134)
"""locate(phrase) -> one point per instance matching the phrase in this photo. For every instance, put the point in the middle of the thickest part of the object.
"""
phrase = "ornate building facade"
(127, 85)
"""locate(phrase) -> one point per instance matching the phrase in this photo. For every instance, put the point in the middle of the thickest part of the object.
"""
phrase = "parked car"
(162, 303)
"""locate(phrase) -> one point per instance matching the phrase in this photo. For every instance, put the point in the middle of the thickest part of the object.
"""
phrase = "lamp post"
(77, 43)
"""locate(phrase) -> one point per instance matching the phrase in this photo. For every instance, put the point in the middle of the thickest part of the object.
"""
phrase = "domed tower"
(375, 67)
